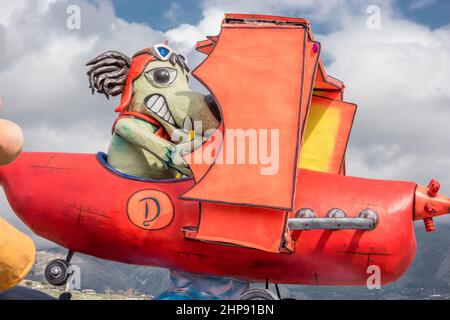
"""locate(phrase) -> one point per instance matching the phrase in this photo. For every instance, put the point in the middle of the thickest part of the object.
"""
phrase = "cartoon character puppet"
(157, 116)
(157, 112)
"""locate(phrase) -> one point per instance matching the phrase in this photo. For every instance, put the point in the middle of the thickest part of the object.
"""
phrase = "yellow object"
(191, 135)
(326, 134)
(17, 255)
(320, 134)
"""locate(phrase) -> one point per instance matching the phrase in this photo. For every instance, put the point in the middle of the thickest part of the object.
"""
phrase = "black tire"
(56, 272)
(257, 294)
(65, 296)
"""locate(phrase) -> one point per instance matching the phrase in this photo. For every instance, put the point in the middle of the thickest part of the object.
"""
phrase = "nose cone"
(429, 203)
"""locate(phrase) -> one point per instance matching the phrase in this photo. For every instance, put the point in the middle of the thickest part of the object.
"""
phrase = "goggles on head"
(161, 51)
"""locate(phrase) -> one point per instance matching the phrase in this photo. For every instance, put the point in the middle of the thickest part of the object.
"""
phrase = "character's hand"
(176, 155)
(165, 155)
(141, 133)
(177, 160)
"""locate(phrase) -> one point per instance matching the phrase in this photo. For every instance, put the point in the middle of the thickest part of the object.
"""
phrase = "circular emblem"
(150, 209)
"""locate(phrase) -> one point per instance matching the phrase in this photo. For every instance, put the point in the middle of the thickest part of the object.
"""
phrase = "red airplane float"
(306, 224)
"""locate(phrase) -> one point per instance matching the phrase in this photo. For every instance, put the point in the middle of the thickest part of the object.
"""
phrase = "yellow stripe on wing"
(322, 127)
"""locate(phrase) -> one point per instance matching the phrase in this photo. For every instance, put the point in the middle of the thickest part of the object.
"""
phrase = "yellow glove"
(17, 255)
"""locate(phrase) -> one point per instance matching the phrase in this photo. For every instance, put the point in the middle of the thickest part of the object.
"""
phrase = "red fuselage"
(75, 201)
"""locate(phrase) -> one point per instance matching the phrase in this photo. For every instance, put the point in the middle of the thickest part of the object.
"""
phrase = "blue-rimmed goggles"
(162, 52)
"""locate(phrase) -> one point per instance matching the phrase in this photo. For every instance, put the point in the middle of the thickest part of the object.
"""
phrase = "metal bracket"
(336, 219)
(331, 224)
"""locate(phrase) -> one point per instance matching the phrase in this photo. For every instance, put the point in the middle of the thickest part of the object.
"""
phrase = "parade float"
(306, 222)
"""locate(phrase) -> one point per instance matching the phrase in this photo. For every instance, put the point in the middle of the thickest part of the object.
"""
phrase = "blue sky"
(154, 12)
(433, 13)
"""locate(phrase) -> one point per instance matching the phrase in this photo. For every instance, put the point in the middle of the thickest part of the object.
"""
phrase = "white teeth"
(158, 105)
(167, 116)
(152, 100)
(163, 111)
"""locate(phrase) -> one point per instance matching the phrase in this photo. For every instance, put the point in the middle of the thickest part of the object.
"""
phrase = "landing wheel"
(57, 272)
(257, 294)
(65, 296)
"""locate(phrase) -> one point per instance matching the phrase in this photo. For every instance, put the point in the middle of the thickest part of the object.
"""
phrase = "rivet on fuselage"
(305, 213)
(336, 213)
(369, 214)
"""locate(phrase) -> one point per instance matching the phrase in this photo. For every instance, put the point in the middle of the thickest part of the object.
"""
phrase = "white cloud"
(399, 76)
(43, 79)
(185, 36)
(9, 8)
(173, 12)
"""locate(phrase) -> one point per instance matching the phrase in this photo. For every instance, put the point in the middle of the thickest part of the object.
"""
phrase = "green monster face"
(162, 92)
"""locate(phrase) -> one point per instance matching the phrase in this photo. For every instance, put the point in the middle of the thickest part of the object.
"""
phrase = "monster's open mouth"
(157, 104)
